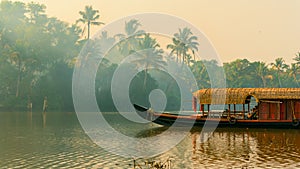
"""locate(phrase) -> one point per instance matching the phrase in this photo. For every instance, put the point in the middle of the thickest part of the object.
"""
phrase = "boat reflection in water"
(28, 141)
(235, 147)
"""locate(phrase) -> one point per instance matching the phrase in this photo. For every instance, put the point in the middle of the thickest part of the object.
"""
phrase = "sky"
(257, 30)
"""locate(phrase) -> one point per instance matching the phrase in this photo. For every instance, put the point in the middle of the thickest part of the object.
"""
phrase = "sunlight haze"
(255, 30)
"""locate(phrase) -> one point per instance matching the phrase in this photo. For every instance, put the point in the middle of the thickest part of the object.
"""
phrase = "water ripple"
(58, 144)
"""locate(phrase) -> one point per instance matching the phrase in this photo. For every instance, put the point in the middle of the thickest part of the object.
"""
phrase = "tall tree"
(37, 13)
(293, 71)
(89, 17)
(148, 55)
(237, 73)
(190, 41)
(297, 58)
(130, 40)
(13, 19)
(31, 45)
(12, 14)
(184, 42)
(177, 48)
(279, 66)
(260, 70)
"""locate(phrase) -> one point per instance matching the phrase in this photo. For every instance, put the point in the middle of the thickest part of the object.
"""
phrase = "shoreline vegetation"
(39, 52)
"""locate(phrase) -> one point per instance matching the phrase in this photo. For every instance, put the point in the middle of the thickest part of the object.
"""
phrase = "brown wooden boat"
(242, 107)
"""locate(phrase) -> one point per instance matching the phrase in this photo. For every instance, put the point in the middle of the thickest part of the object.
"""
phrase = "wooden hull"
(167, 119)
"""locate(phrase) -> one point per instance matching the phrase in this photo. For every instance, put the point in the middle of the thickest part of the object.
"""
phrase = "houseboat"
(241, 107)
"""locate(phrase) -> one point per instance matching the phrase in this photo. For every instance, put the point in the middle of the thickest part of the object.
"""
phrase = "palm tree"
(293, 71)
(148, 55)
(260, 69)
(175, 48)
(190, 41)
(279, 66)
(131, 27)
(89, 17)
(297, 58)
(236, 71)
(183, 42)
(179, 48)
(130, 40)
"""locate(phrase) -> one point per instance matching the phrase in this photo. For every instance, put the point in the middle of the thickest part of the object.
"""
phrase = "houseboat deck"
(249, 107)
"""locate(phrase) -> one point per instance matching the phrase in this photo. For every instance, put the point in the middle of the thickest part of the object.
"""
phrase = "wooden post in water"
(44, 119)
(45, 105)
(29, 107)
(29, 104)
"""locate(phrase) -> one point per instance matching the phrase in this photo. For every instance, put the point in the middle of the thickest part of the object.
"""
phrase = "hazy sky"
(259, 30)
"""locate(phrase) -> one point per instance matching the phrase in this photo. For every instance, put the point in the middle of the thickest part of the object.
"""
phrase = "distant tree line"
(243, 73)
(38, 54)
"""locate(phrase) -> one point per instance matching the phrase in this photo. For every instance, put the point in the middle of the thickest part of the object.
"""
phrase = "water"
(58, 141)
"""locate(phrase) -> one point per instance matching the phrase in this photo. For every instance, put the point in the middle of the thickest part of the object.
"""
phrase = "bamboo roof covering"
(240, 95)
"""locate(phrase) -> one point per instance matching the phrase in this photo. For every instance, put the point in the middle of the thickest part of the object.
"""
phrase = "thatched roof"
(240, 95)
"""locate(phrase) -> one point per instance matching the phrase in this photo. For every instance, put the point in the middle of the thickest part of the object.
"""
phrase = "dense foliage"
(38, 54)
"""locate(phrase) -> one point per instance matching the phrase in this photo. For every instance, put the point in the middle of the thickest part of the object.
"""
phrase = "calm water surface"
(56, 140)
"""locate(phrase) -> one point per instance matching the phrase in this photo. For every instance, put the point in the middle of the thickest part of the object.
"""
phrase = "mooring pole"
(45, 104)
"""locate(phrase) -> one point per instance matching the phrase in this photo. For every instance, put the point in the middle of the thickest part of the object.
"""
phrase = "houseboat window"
(250, 103)
(218, 107)
(205, 106)
(239, 107)
(253, 102)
